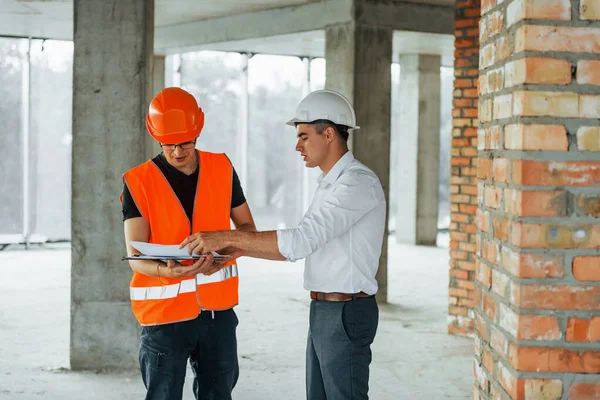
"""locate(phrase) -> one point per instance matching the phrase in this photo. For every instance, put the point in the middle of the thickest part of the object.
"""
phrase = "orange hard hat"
(174, 116)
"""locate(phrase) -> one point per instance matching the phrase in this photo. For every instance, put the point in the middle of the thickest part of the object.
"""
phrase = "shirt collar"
(334, 173)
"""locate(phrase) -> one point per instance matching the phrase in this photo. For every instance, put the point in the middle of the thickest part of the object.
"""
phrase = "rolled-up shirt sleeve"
(354, 195)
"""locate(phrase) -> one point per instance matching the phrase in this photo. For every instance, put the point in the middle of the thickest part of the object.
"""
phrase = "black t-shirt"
(184, 187)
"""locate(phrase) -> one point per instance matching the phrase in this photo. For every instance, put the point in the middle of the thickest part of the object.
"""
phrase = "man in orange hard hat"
(184, 314)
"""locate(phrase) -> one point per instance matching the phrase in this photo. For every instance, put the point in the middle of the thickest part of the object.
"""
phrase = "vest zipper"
(192, 227)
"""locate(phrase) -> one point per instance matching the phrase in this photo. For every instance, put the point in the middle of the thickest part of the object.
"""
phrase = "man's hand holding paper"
(205, 242)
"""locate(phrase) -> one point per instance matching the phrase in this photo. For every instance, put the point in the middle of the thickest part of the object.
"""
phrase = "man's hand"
(175, 270)
(205, 242)
(219, 264)
(251, 244)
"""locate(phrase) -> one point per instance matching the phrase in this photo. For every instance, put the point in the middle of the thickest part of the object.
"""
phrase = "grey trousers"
(338, 350)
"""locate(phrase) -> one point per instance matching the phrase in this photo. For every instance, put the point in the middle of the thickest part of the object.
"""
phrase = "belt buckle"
(319, 296)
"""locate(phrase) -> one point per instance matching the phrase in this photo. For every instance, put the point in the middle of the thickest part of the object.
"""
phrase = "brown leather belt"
(320, 296)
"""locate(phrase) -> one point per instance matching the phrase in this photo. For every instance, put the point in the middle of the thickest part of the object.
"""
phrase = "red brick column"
(537, 310)
(463, 176)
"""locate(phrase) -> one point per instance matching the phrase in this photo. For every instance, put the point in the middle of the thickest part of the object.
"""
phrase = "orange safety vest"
(163, 300)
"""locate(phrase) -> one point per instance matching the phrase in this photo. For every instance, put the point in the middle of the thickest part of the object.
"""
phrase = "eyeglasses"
(184, 146)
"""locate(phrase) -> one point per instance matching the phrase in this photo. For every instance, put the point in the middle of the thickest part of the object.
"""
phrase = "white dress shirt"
(342, 232)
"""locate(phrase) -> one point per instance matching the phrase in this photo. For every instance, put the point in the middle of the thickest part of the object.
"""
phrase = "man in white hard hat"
(340, 237)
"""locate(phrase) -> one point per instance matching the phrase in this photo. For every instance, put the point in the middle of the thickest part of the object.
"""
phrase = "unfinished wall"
(463, 175)
(537, 311)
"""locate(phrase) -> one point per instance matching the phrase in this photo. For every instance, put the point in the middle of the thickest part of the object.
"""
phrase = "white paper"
(163, 250)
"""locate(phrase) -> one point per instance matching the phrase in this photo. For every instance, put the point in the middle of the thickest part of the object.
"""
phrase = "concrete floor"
(413, 356)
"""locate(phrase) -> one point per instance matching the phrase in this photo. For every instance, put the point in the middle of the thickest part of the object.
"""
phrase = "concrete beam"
(277, 21)
(304, 18)
(407, 16)
(36, 26)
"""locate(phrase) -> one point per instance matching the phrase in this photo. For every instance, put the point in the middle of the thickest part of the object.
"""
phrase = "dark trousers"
(209, 343)
(338, 350)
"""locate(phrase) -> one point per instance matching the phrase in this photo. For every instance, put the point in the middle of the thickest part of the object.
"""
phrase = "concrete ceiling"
(53, 19)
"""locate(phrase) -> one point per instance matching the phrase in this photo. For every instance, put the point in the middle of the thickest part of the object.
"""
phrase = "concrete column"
(26, 142)
(418, 149)
(158, 84)
(112, 86)
(158, 74)
(242, 134)
(173, 70)
(256, 189)
(359, 59)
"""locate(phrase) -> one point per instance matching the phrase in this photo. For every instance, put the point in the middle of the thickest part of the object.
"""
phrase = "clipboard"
(160, 252)
(175, 258)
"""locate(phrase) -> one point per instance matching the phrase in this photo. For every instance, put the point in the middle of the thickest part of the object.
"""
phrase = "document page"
(166, 251)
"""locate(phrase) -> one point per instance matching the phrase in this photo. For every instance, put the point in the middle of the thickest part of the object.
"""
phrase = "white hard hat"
(325, 104)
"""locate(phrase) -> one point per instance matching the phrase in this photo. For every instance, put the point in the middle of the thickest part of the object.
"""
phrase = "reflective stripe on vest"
(163, 300)
(185, 286)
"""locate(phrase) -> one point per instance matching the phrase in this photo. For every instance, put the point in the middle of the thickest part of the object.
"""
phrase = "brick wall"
(463, 175)
(537, 278)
